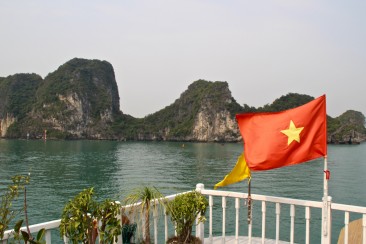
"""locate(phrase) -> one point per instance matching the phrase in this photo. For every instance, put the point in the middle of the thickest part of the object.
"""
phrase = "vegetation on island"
(291, 100)
(17, 94)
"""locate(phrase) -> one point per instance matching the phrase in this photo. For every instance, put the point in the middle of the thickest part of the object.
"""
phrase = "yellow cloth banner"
(240, 172)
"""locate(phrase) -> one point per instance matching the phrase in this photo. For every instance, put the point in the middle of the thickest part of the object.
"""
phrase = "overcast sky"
(263, 49)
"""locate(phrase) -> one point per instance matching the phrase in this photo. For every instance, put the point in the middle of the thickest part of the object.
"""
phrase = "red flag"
(273, 140)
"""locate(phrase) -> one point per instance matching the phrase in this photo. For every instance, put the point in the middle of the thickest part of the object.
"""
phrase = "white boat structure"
(289, 218)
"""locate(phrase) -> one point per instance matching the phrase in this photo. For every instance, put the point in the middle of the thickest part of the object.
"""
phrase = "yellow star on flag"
(293, 133)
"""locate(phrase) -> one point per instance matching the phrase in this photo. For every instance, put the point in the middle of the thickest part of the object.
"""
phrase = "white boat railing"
(238, 197)
(48, 226)
(279, 201)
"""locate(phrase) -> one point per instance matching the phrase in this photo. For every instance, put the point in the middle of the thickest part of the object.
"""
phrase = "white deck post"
(48, 236)
(166, 225)
(200, 228)
(263, 221)
(223, 205)
(278, 213)
(346, 223)
(210, 202)
(155, 216)
(307, 218)
(66, 240)
(292, 216)
(237, 206)
(364, 228)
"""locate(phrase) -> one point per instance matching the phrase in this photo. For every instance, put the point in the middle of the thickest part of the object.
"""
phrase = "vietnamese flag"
(274, 140)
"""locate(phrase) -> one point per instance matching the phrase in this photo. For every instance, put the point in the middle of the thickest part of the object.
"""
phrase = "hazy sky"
(263, 49)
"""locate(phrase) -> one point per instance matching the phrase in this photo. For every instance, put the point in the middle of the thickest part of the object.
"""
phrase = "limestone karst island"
(80, 100)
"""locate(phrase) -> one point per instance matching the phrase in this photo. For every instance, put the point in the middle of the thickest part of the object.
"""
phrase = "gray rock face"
(5, 123)
(204, 112)
(87, 104)
(215, 127)
(350, 128)
(78, 100)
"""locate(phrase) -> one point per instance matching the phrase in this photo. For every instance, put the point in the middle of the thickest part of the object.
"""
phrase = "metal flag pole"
(249, 212)
(326, 214)
(249, 203)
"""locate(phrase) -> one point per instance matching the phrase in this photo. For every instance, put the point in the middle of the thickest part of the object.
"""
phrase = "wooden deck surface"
(242, 240)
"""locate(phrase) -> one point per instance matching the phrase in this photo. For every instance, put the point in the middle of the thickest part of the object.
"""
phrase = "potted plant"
(80, 217)
(142, 201)
(184, 210)
(110, 226)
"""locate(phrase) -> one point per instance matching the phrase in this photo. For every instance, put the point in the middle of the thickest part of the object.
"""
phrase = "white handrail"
(35, 228)
(278, 201)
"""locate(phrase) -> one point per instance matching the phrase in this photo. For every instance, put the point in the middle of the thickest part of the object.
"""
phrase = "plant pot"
(192, 240)
(128, 230)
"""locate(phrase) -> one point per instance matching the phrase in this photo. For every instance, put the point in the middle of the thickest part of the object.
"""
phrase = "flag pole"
(326, 171)
(249, 203)
(249, 212)
(326, 217)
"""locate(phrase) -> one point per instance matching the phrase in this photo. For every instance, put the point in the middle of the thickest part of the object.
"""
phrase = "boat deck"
(242, 240)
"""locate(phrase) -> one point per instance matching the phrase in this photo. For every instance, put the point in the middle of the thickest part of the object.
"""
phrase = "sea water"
(61, 169)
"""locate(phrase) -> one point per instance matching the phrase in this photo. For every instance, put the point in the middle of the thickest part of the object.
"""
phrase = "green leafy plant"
(26, 236)
(7, 213)
(183, 211)
(149, 198)
(110, 226)
(80, 216)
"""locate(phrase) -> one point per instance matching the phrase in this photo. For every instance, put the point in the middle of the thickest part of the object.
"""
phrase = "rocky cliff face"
(78, 100)
(215, 124)
(5, 123)
(215, 127)
(85, 101)
(348, 128)
(204, 112)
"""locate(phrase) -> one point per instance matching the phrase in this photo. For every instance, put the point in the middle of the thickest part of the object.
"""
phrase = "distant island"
(80, 100)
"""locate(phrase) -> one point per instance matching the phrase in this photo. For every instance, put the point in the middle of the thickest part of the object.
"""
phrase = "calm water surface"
(61, 169)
